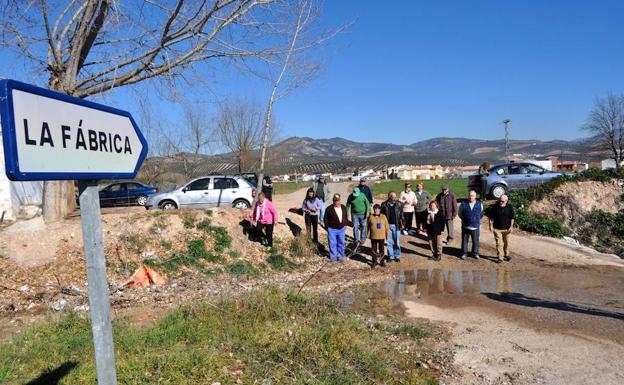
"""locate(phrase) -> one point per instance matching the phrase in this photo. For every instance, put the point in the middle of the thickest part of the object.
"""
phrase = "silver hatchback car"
(512, 176)
(205, 192)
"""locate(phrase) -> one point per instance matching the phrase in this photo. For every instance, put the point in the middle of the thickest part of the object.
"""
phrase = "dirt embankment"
(571, 202)
(43, 266)
(592, 212)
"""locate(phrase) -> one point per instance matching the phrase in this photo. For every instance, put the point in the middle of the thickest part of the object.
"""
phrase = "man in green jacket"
(359, 206)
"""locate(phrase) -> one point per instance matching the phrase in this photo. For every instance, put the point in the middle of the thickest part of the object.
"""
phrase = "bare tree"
(187, 145)
(239, 128)
(295, 67)
(153, 171)
(89, 47)
(606, 121)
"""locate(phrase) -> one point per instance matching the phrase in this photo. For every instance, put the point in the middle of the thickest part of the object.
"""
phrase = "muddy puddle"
(558, 298)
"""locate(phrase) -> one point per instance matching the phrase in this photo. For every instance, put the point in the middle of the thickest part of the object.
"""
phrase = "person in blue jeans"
(336, 221)
(393, 210)
(470, 214)
(359, 206)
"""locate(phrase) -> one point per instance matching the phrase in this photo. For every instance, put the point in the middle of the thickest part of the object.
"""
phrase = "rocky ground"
(553, 315)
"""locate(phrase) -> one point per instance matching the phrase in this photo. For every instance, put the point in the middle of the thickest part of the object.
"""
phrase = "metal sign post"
(101, 327)
(52, 136)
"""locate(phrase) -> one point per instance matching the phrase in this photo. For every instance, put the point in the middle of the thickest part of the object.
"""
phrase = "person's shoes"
(374, 262)
(397, 260)
(476, 256)
(499, 260)
(508, 258)
(463, 256)
(382, 263)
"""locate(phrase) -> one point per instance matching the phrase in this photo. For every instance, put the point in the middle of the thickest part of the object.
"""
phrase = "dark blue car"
(125, 193)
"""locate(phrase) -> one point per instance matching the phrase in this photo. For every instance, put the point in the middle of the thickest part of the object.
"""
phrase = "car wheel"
(240, 204)
(168, 205)
(498, 190)
(141, 200)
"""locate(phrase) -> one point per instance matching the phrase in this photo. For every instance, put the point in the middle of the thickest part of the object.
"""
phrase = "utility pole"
(506, 123)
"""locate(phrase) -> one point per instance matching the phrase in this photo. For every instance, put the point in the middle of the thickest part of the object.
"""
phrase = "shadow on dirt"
(522, 300)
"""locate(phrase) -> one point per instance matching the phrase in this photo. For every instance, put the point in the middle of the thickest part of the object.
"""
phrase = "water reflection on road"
(430, 282)
(433, 284)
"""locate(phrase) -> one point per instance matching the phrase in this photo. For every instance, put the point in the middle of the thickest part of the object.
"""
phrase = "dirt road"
(554, 315)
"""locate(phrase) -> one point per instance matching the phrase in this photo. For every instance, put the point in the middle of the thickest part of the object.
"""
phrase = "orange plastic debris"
(144, 276)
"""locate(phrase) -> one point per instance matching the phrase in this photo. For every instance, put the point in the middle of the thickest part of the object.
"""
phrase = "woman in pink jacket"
(264, 217)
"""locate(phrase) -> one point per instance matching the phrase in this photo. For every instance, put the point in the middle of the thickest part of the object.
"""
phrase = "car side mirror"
(185, 189)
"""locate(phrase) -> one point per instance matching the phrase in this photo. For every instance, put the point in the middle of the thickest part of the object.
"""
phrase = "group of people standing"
(384, 223)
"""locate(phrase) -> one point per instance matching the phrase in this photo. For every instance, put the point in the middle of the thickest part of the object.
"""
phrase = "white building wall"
(17, 196)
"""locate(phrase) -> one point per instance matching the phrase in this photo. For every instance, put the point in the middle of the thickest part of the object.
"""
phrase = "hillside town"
(427, 172)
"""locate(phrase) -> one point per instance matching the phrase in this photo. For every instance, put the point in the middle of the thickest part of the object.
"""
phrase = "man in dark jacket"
(321, 189)
(364, 189)
(393, 210)
(501, 217)
(470, 214)
(447, 203)
(336, 221)
(420, 208)
(267, 187)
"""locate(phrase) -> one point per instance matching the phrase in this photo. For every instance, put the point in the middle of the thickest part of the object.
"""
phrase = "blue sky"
(411, 70)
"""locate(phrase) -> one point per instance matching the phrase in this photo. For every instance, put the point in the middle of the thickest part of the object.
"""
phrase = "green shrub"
(197, 249)
(188, 219)
(301, 246)
(548, 227)
(408, 330)
(204, 225)
(188, 222)
(608, 231)
(222, 239)
(280, 262)
(242, 268)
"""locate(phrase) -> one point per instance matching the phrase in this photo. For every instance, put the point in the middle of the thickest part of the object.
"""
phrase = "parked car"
(250, 177)
(206, 191)
(126, 193)
(512, 176)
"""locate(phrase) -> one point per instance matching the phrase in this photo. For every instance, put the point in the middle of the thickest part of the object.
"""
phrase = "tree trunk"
(58, 196)
(58, 200)
(265, 141)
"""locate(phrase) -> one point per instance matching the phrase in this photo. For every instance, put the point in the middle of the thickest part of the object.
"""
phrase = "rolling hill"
(337, 155)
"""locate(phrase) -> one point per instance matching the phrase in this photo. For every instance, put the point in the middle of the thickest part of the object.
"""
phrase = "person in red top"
(264, 217)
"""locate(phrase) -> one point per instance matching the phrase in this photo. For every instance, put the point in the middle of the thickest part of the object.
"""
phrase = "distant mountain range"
(308, 155)
(446, 151)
